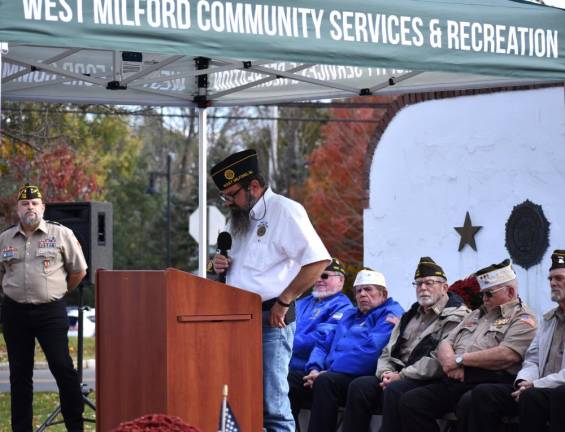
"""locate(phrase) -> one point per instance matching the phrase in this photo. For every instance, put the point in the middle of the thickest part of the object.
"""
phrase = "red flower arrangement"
(469, 290)
(156, 423)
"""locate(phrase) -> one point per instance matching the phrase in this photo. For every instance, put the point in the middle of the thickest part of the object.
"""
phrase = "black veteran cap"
(336, 266)
(428, 267)
(557, 259)
(235, 168)
(28, 192)
(495, 274)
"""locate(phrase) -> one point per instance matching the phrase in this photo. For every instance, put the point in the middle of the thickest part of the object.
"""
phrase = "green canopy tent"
(219, 53)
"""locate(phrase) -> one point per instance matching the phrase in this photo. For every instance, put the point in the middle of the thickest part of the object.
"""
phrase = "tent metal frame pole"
(28, 68)
(3, 51)
(60, 72)
(270, 77)
(202, 192)
(395, 80)
(293, 76)
(209, 71)
(151, 69)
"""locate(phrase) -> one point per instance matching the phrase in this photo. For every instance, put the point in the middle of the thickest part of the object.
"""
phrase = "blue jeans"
(277, 349)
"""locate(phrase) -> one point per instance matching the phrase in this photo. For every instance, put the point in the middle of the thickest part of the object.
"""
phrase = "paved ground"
(43, 381)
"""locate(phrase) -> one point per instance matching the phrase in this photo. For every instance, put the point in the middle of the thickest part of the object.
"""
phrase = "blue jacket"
(315, 319)
(356, 344)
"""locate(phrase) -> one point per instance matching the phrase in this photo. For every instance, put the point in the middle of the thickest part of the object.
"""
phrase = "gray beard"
(426, 301)
(31, 220)
(239, 221)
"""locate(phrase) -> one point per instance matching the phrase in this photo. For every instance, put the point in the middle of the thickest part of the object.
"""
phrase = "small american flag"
(228, 423)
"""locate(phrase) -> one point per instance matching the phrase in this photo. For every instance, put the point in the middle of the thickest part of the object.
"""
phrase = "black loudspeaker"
(92, 224)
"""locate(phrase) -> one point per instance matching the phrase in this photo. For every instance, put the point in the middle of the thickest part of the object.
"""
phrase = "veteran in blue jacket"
(318, 314)
(351, 350)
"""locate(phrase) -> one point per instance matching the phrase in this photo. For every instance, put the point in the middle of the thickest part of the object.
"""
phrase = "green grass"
(43, 405)
(88, 350)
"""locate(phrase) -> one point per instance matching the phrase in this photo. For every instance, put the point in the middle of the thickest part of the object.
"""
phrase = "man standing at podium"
(39, 262)
(275, 253)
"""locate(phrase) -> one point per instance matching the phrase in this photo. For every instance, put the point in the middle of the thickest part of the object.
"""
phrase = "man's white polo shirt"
(280, 240)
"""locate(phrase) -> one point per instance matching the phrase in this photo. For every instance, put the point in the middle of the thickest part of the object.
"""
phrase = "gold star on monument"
(467, 233)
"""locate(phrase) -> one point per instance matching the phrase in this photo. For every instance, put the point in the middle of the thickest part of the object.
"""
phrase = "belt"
(290, 313)
(9, 301)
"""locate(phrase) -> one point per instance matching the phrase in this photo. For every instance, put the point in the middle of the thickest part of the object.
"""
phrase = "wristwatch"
(459, 361)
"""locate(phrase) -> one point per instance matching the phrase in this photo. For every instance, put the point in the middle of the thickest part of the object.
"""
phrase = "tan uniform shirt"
(35, 269)
(512, 325)
(414, 331)
(555, 356)
(426, 367)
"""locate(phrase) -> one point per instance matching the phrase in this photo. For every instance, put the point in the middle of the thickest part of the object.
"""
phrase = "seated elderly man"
(486, 347)
(538, 395)
(317, 315)
(406, 362)
(351, 350)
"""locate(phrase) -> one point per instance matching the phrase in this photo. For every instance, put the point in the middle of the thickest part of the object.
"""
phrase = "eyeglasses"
(427, 283)
(229, 197)
(326, 275)
(490, 293)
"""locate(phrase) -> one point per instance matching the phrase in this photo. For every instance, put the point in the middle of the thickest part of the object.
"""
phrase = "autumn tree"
(333, 192)
(58, 171)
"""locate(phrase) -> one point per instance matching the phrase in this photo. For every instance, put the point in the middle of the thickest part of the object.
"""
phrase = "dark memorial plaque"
(527, 234)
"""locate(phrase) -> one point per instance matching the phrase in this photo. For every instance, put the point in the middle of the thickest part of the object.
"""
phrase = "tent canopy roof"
(250, 52)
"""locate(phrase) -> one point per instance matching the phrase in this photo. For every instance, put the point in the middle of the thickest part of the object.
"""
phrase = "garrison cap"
(235, 168)
(336, 266)
(495, 274)
(428, 267)
(28, 192)
(557, 259)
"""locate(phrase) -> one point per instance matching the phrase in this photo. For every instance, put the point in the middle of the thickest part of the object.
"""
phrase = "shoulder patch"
(528, 320)
(337, 316)
(53, 222)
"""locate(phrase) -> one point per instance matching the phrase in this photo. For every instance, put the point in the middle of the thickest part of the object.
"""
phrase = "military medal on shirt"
(48, 243)
(262, 228)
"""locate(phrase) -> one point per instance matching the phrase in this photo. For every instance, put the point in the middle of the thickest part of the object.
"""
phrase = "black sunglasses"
(325, 275)
(490, 293)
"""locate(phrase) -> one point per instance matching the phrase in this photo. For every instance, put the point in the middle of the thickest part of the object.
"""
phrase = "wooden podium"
(167, 342)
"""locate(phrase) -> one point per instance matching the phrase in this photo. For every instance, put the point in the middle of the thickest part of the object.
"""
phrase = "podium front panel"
(168, 341)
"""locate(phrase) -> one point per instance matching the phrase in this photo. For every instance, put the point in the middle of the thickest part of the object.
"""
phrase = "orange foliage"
(334, 191)
(60, 175)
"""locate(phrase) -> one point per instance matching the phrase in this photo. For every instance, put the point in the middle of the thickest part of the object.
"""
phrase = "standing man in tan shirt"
(487, 347)
(40, 261)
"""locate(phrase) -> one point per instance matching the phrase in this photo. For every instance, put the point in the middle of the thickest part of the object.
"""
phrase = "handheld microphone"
(224, 245)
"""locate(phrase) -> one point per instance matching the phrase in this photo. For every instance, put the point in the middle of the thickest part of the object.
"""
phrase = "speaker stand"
(85, 389)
